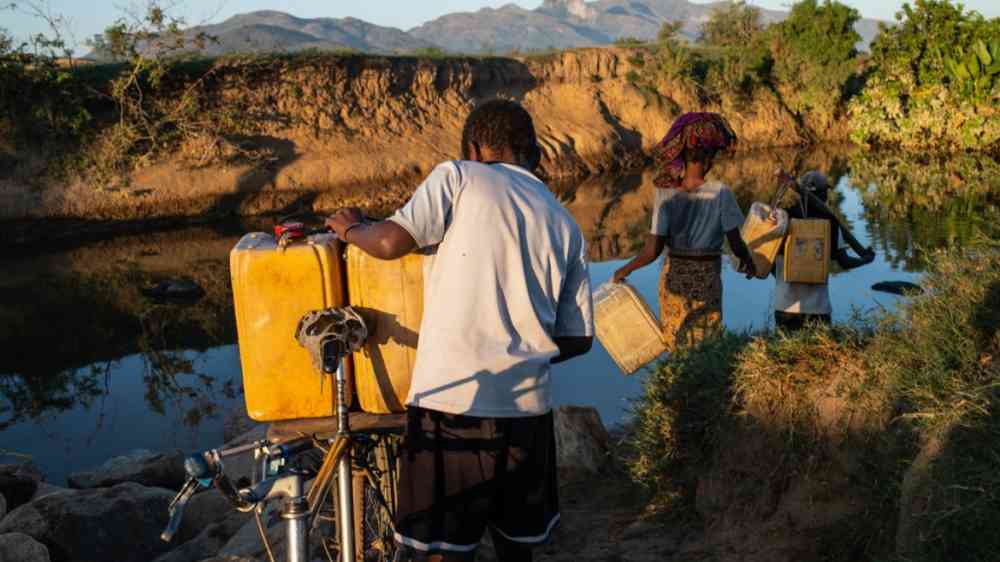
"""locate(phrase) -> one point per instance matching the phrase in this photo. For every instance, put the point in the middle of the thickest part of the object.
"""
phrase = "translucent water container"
(764, 235)
(807, 251)
(389, 295)
(272, 288)
(626, 327)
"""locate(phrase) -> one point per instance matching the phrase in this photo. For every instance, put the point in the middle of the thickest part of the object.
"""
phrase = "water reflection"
(916, 203)
(93, 368)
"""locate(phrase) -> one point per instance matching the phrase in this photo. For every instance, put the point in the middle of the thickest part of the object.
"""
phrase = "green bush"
(931, 85)
(734, 58)
(628, 42)
(815, 57)
(734, 24)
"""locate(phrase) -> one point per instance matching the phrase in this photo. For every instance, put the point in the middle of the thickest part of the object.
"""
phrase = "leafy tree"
(668, 32)
(673, 58)
(927, 33)
(815, 56)
(733, 25)
(739, 60)
(935, 81)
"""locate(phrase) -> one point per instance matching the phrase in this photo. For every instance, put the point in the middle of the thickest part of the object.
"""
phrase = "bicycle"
(365, 500)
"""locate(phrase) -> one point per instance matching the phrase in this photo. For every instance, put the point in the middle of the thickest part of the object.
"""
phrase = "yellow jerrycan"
(763, 231)
(272, 288)
(389, 295)
(626, 327)
(807, 251)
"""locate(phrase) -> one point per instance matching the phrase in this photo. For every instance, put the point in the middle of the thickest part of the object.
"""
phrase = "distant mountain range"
(556, 24)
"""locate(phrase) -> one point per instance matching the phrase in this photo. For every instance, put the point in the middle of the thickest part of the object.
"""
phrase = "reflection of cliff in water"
(614, 212)
(915, 202)
(67, 318)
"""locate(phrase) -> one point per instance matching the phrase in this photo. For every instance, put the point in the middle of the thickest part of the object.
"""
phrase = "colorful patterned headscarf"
(691, 130)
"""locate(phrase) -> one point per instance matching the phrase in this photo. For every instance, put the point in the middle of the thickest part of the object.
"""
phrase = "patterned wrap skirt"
(690, 299)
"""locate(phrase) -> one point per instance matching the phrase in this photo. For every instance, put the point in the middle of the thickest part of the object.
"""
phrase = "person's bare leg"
(509, 551)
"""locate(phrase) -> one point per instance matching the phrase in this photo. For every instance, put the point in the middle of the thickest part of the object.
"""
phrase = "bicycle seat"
(326, 428)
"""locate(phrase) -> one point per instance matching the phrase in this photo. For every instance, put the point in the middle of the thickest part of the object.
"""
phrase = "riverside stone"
(46, 489)
(208, 542)
(18, 547)
(149, 468)
(18, 483)
(582, 442)
(121, 523)
(203, 509)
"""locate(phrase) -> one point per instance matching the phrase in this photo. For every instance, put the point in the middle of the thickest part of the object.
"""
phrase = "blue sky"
(87, 17)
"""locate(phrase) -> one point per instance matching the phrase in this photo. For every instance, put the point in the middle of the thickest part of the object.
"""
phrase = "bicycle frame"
(206, 469)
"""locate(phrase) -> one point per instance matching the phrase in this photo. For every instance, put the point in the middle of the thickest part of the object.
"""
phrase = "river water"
(90, 368)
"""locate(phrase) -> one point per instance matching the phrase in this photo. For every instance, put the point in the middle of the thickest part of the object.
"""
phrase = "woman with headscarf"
(691, 216)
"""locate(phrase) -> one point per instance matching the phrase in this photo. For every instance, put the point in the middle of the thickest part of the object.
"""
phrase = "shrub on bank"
(886, 432)
(935, 81)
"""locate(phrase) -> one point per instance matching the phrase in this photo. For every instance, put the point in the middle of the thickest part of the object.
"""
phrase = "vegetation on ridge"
(931, 82)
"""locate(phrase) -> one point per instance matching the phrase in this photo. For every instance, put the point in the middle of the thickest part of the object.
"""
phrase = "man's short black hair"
(499, 124)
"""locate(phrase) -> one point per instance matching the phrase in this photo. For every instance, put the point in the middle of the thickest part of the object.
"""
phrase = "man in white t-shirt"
(506, 294)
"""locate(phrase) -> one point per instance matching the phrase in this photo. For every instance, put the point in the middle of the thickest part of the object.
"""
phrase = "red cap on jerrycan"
(290, 230)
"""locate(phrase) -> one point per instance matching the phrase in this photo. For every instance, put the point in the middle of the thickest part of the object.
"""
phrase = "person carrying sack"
(797, 304)
(506, 294)
(691, 217)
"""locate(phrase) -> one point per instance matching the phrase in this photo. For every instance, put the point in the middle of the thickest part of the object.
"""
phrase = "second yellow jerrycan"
(389, 295)
(807, 251)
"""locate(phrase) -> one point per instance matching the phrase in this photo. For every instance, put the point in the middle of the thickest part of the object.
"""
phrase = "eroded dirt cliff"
(316, 133)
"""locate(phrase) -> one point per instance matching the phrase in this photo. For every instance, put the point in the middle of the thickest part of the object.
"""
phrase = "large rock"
(3, 506)
(18, 547)
(122, 523)
(18, 483)
(583, 445)
(208, 543)
(163, 470)
(46, 489)
(204, 508)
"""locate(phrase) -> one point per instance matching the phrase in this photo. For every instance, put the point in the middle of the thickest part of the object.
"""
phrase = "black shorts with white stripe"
(460, 475)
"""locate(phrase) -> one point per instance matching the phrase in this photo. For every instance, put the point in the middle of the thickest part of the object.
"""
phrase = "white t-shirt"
(506, 272)
(695, 222)
(799, 298)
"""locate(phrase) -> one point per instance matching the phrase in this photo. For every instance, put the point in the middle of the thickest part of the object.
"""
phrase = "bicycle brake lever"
(176, 509)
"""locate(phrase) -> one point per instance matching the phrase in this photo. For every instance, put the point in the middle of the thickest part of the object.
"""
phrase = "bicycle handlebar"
(205, 470)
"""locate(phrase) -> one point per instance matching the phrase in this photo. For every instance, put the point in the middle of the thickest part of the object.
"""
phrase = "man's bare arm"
(384, 240)
(572, 346)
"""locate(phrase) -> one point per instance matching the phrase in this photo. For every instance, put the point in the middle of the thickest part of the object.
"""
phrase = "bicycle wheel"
(374, 485)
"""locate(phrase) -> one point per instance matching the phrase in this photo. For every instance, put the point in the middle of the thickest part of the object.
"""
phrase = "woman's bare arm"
(650, 251)
(742, 253)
